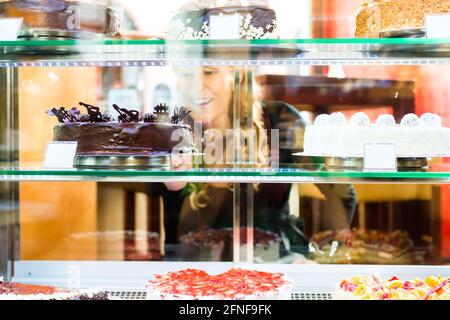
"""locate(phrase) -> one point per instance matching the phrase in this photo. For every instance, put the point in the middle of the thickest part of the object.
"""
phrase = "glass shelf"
(305, 173)
(224, 52)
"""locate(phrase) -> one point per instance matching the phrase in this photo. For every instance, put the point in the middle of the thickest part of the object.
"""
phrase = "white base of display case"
(126, 280)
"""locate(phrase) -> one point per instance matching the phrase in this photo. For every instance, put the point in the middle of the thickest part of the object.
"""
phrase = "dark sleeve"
(172, 201)
(291, 126)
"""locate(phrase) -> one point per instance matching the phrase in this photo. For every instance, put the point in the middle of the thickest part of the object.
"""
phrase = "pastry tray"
(160, 161)
(126, 280)
(405, 33)
(357, 163)
(38, 34)
(304, 154)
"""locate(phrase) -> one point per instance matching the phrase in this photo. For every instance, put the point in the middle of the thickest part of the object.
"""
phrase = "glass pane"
(192, 145)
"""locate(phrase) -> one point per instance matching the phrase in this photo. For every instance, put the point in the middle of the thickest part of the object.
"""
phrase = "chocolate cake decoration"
(125, 115)
(94, 112)
(179, 115)
(160, 115)
(62, 115)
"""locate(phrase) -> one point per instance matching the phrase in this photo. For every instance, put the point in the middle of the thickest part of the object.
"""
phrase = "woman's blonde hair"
(250, 110)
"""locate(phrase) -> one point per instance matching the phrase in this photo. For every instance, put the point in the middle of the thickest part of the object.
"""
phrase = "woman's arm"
(181, 162)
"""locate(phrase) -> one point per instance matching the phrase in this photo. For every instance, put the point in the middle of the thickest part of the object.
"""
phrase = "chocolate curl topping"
(162, 109)
(179, 115)
(94, 112)
(63, 115)
(126, 115)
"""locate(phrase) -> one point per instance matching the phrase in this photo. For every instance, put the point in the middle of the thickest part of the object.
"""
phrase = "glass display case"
(214, 154)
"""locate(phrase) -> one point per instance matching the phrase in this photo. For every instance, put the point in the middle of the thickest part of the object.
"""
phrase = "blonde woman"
(210, 92)
(212, 96)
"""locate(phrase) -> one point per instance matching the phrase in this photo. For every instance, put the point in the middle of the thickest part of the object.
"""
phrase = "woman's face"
(207, 92)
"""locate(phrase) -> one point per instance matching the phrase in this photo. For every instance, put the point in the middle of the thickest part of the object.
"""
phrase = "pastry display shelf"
(439, 174)
(351, 51)
(126, 280)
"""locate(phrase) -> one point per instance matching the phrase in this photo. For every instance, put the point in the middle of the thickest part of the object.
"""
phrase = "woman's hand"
(180, 162)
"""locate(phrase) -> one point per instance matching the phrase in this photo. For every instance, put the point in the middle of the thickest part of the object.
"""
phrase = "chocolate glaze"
(261, 17)
(125, 138)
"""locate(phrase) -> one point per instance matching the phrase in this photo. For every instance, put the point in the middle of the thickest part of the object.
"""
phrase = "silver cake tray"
(411, 50)
(403, 164)
(404, 156)
(38, 34)
(123, 162)
(357, 163)
(405, 33)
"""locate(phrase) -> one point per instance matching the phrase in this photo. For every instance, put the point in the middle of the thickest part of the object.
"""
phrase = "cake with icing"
(20, 291)
(378, 16)
(334, 136)
(373, 288)
(130, 134)
(217, 245)
(256, 19)
(235, 284)
(357, 246)
(42, 17)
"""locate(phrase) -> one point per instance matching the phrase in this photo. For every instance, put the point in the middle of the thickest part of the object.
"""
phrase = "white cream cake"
(334, 136)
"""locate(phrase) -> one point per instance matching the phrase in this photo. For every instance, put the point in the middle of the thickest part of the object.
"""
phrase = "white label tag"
(380, 157)
(224, 27)
(9, 28)
(60, 155)
(438, 25)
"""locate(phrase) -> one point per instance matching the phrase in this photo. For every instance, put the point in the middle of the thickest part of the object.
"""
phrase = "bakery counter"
(302, 173)
(127, 280)
(115, 53)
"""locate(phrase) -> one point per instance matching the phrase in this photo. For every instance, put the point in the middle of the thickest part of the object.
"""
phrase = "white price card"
(224, 27)
(9, 28)
(380, 157)
(60, 155)
(438, 25)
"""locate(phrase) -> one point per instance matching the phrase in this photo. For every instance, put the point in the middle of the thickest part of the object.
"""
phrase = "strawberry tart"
(372, 288)
(235, 284)
(20, 291)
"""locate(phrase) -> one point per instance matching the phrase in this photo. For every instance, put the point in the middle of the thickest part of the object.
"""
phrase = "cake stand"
(339, 163)
(405, 33)
(356, 164)
(52, 35)
(158, 161)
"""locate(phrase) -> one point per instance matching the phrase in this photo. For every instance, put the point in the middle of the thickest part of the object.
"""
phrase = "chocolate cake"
(217, 245)
(63, 16)
(100, 134)
(256, 21)
(20, 291)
